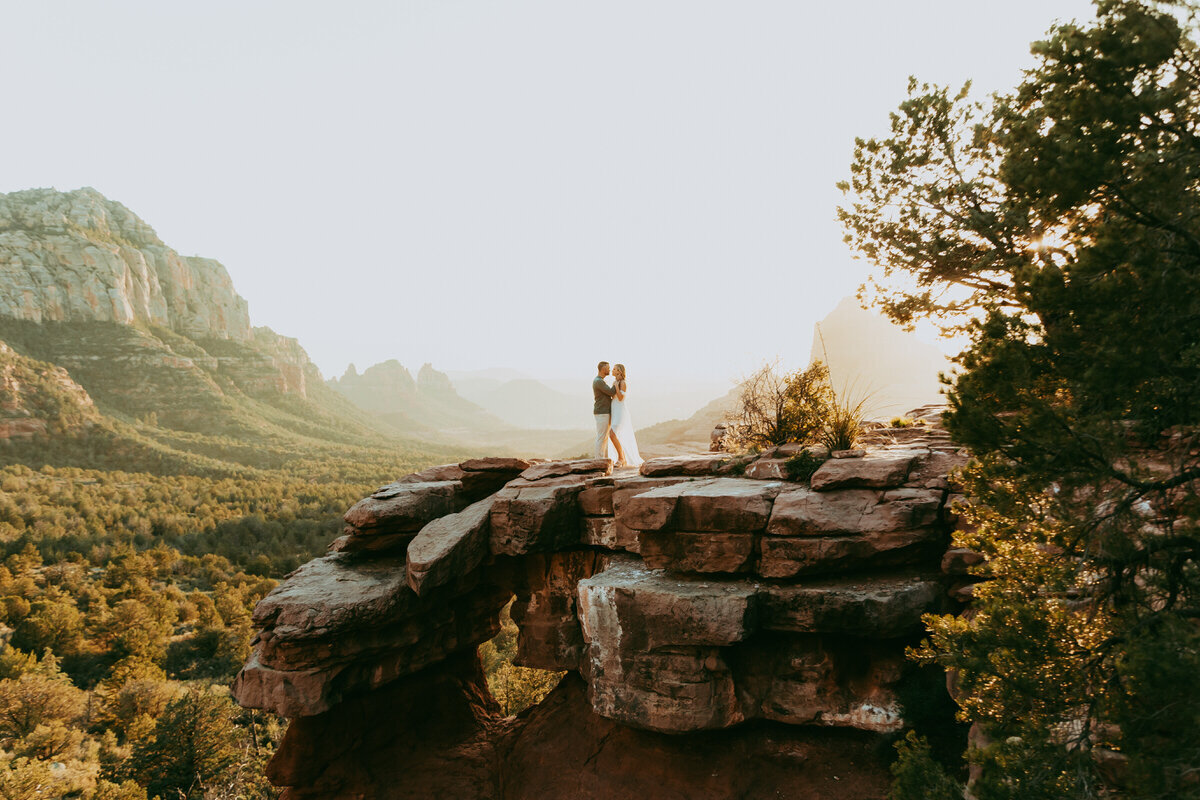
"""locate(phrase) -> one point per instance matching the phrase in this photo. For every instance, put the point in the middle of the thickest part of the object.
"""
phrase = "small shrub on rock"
(801, 466)
(843, 423)
(776, 408)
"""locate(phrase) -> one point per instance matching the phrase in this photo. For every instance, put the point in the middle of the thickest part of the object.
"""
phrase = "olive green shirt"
(604, 395)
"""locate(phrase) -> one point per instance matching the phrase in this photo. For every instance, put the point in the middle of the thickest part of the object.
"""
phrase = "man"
(602, 408)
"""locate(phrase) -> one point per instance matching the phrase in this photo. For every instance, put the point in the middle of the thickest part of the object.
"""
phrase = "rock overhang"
(687, 600)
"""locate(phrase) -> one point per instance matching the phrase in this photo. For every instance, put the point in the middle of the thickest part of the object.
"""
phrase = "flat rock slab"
(398, 508)
(802, 511)
(449, 547)
(787, 557)
(879, 607)
(726, 504)
(335, 593)
(768, 469)
(699, 464)
(495, 464)
(553, 469)
(882, 469)
(442, 472)
(795, 449)
(375, 543)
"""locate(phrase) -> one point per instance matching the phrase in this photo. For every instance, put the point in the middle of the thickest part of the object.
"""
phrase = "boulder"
(881, 469)
(449, 547)
(664, 609)
(605, 532)
(553, 469)
(937, 467)
(720, 504)
(626, 487)
(701, 464)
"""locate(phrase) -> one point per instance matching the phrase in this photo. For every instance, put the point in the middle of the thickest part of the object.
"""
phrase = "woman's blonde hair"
(619, 369)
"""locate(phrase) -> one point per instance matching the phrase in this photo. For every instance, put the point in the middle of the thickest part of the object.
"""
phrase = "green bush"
(916, 776)
(801, 466)
(775, 408)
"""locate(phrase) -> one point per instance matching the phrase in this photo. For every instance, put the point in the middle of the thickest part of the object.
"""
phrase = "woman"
(623, 447)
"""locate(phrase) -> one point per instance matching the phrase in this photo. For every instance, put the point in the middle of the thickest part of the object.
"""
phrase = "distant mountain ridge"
(424, 404)
(90, 297)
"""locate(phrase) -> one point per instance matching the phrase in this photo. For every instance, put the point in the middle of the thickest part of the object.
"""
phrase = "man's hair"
(601, 365)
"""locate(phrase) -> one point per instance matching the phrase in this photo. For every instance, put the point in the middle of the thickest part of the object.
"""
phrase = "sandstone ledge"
(686, 599)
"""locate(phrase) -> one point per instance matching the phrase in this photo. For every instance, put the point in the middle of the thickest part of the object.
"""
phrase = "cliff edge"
(730, 627)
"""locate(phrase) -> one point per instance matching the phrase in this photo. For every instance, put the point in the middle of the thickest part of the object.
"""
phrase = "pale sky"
(533, 185)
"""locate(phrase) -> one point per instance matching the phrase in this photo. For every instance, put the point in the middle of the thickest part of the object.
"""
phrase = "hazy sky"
(480, 184)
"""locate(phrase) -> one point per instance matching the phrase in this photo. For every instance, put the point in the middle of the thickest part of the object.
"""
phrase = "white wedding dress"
(622, 426)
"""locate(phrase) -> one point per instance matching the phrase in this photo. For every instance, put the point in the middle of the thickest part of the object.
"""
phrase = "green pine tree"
(1057, 226)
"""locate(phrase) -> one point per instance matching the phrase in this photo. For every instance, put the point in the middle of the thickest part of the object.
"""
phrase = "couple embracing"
(614, 426)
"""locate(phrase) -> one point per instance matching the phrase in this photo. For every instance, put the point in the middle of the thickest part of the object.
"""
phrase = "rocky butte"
(726, 631)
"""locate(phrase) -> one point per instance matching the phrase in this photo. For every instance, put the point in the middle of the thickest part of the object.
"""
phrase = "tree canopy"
(1056, 226)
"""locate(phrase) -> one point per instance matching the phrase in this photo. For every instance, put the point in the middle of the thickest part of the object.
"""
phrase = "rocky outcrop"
(683, 601)
(78, 256)
(38, 398)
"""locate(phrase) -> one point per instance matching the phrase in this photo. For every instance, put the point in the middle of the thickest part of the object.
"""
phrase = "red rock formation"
(700, 668)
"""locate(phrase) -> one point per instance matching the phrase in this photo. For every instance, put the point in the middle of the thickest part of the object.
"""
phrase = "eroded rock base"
(437, 734)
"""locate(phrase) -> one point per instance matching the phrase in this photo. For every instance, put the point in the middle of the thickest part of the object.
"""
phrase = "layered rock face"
(88, 286)
(77, 256)
(695, 609)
